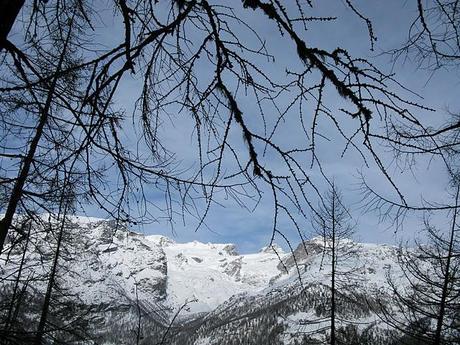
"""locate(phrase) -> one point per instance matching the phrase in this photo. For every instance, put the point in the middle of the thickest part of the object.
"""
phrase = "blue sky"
(251, 229)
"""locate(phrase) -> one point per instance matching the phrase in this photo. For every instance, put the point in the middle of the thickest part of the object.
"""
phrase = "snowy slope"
(99, 263)
(366, 263)
(206, 275)
(107, 265)
(113, 262)
(293, 309)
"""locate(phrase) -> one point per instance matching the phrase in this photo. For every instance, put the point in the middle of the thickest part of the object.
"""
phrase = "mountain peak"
(274, 248)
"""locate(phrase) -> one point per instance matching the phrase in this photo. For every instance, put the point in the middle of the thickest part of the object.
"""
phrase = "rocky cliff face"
(130, 281)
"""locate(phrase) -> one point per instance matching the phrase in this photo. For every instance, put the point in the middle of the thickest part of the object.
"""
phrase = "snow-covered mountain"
(204, 275)
(129, 281)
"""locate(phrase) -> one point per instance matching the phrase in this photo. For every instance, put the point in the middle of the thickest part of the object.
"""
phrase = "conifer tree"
(333, 225)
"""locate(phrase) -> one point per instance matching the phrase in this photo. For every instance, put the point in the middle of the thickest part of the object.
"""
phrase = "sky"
(250, 229)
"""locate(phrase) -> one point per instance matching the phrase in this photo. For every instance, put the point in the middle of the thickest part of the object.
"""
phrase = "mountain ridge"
(128, 277)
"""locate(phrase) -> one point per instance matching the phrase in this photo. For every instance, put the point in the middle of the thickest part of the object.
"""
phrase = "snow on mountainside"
(102, 264)
(368, 264)
(109, 265)
(113, 262)
(206, 275)
(294, 308)
(118, 271)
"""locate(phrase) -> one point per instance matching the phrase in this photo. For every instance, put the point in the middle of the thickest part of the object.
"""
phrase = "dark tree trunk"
(18, 189)
(333, 272)
(15, 301)
(9, 10)
(49, 290)
(445, 286)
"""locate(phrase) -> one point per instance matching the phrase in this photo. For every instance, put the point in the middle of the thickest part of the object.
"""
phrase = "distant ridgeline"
(114, 286)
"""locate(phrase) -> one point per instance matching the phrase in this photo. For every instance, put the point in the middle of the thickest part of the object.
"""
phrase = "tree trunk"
(13, 305)
(18, 189)
(49, 289)
(333, 271)
(9, 10)
(445, 287)
(16, 194)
